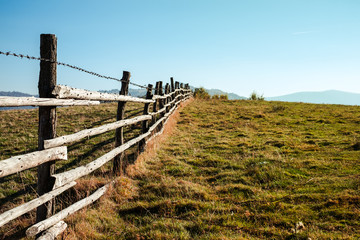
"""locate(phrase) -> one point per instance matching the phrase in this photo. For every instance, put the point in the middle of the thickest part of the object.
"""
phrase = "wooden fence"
(53, 148)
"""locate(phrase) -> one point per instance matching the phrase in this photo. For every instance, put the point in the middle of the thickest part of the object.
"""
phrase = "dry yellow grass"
(19, 136)
(89, 223)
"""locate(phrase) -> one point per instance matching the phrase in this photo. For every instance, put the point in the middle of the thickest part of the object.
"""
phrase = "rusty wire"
(68, 65)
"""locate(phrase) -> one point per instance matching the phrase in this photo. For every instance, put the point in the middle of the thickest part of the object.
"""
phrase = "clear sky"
(274, 47)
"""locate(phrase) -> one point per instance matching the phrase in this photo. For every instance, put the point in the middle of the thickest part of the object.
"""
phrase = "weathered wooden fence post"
(162, 100)
(176, 88)
(145, 124)
(172, 84)
(187, 89)
(161, 103)
(182, 91)
(168, 99)
(119, 165)
(47, 120)
(172, 89)
(156, 92)
(166, 88)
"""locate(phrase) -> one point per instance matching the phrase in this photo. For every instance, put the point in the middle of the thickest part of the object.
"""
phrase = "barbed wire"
(70, 66)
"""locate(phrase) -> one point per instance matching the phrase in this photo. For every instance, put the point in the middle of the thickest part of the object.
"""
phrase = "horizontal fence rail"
(51, 221)
(59, 141)
(43, 102)
(64, 92)
(30, 160)
(164, 100)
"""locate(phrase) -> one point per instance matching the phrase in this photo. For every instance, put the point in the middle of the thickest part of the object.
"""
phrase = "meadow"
(228, 170)
(18, 135)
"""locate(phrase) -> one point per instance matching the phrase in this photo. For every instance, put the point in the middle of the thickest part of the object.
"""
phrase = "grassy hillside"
(242, 170)
(238, 170)
(328, 97)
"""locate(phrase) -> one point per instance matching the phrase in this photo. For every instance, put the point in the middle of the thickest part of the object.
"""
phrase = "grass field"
(238, 170)
(18, 135)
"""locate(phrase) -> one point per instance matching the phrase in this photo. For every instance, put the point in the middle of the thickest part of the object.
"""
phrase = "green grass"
(251, 170)
(19, 136)
(240, 170)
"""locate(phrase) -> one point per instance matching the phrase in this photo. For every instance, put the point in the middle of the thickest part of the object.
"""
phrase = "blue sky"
(273, 47)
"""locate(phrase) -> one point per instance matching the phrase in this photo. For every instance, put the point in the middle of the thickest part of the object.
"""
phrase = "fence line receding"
(52, 148)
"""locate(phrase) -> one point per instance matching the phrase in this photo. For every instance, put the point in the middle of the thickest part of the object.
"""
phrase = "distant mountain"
(326, 97)
(212, 92)
(231, 96)
(132, 92)
(15, 94)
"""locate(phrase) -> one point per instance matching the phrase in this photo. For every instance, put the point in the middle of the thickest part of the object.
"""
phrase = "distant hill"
(231, 96)
(15, 94)
(326, 97)
(132, 92)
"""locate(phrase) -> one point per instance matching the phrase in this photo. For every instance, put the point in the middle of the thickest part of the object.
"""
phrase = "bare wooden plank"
(32, 101)
(155, 97)
(67, 92)
(59, 141)
(159, 111)
(47, 223)
(170, 103)
(27, 207)
(165, 106)
(154, 136)
(53, 232)
(172, 109)
(65, 177)
(73, 174)
(30, 160)
(152, 128)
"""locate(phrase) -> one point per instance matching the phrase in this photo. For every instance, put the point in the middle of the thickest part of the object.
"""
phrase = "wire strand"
(70, 66)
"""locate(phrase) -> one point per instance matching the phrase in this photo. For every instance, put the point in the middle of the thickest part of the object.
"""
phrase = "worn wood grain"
(119, 161)
(65, 177)
(47, 120)
(43, 102)
(53, 232)
(64, 92)
(59, 141)
(27, 207)
(69, 176)
(47, 223)
(30, 160)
